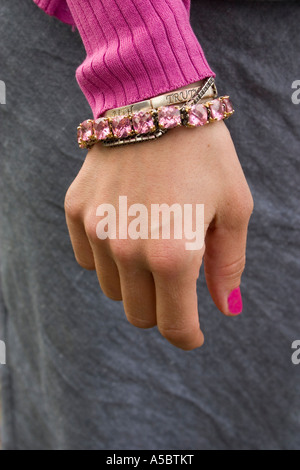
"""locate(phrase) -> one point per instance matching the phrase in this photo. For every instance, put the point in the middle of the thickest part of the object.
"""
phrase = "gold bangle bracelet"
(180, 96)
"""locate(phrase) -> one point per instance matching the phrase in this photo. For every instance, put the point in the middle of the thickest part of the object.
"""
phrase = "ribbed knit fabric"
(136, 49)
(58, 8)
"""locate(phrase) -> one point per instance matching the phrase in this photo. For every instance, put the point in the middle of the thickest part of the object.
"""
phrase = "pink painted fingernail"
(235, 302)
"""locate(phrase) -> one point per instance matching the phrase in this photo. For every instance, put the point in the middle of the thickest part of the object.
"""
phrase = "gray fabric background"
(78, 375)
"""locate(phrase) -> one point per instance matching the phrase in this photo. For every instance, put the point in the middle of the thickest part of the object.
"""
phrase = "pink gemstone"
(169, 117)
(121, 126)
(102, 130)
(143, 123)
(217, 110)
(86, 131)
(198, 115)
(228, 105)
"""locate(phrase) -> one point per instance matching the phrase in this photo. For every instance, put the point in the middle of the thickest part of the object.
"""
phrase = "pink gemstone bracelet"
(146, 123)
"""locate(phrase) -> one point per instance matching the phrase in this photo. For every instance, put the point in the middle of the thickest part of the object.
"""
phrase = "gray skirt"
(78, 376)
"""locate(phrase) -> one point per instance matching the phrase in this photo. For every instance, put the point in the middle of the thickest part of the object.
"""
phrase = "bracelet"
(143, 123)
(180, 96)
(207, 90)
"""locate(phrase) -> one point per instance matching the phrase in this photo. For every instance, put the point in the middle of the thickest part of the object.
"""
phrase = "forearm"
(136, 49)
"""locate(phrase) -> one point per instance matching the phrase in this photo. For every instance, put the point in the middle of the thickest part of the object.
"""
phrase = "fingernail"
(235, 302)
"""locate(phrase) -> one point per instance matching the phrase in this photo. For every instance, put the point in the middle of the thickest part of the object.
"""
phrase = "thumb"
(224, 263)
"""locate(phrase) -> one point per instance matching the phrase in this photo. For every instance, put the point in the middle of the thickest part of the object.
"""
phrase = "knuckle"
(140, 322)
(250, 202)
(85, 264)
(112, 294)
(169, 259)
(238, 206)
(180, 337)
(123, 251)
(90, 226)
(234, 270)
(171, 334)
(241, 212)
(245, 205)
(72, 207)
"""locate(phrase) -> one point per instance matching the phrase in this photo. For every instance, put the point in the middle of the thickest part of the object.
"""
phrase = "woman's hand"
(156, 279)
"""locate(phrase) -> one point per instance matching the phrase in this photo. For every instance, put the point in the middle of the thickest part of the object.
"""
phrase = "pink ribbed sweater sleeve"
(136, 49)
